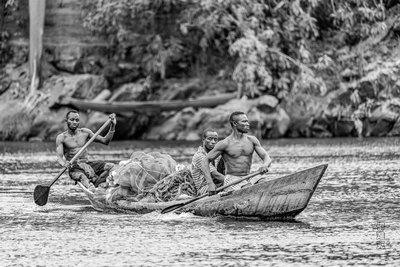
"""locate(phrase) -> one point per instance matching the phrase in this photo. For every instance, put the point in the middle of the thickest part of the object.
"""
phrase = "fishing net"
(151, 177)
(142, 171)
(177, 185)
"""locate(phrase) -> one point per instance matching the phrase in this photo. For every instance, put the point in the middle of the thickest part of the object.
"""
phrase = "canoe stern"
(280, 198)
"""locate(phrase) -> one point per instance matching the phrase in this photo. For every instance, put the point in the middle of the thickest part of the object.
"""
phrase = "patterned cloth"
(231, 178)
(92, 171)
(199, 180)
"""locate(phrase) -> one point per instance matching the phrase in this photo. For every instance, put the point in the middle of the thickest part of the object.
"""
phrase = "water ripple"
(354, 208)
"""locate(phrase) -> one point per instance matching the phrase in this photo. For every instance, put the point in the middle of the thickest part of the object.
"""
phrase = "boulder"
(189, 123)
(130, 92)
(276, 124)
(119, 74)
(173, 128)
(300, 127)
(66, 57)
(383, 118)
(83, 86)
(388, 110)
(267, 103)
(103, 95)
(90, 65)
(320, 128)
(94, 121)
(5, 82)
(78, 58)
(304, 109)
(20, 54)
(15, 121)
(49, 123)
(395, 131)
(131, 127)
(256, 122)
(218, 118)
(379, 128)
(343, 128)
(15, 81)
(366, 90)
(177, 89)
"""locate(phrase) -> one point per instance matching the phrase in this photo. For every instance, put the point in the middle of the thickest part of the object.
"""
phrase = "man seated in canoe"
(209, 139)
(236, 151)
(72, 140)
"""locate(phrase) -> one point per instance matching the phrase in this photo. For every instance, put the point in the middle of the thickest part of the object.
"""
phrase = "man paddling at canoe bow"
(236, 151)
(72, 140)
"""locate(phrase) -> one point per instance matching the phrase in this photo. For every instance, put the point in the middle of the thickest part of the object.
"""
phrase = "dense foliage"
(268, 40)
(6, 8)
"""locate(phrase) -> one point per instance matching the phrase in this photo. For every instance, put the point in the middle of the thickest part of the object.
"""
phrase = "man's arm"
(60, 151)
(205, 164)
(217, 176)
(262, 153)
(110, 134)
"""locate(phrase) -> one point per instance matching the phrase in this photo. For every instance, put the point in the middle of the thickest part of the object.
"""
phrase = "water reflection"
(341, 226)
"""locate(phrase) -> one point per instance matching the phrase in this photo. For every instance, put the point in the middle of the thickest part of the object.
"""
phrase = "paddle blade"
(41, 194)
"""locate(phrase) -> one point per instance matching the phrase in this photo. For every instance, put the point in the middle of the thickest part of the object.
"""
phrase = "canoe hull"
(282, 198)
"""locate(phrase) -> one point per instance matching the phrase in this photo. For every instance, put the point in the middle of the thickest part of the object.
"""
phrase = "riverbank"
(329, 85)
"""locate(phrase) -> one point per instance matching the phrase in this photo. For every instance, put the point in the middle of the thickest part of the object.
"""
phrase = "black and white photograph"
(199, 133)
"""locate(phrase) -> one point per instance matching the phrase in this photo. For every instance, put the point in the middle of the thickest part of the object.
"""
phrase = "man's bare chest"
(238, 149)
(74, 141)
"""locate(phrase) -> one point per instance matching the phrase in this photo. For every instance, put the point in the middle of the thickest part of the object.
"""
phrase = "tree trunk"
(36, 25)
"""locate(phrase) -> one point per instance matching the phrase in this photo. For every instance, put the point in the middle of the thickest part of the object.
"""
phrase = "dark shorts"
(92, 170)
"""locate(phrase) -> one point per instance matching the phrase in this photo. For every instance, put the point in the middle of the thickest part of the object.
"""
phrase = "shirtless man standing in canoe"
(237, 152)
(72, 140)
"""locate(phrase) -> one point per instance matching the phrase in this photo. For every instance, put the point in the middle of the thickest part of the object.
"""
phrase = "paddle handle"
(178, 206)
(81, 150)
(238, 181)
(58, 176)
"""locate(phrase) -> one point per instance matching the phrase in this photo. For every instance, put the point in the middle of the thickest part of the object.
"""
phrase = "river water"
(352, 219)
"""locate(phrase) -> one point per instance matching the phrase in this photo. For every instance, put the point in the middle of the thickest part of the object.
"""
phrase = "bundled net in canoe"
(142, 171)
(177, 185)
(151, 177)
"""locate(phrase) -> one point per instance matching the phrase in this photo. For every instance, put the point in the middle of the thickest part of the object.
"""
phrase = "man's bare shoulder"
(60, 137)
(85, 130)
(223, 143)
(253, 139)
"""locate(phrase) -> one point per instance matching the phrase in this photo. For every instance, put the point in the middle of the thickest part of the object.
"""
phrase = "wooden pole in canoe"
(41, 192)
(219, 189)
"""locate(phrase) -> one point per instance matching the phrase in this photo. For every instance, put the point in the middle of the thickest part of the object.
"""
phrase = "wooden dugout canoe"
(281, 198)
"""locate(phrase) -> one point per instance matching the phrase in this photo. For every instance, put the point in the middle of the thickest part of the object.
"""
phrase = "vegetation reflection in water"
(351, 219)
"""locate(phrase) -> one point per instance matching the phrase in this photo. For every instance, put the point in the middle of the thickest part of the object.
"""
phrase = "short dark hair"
(204, 134)
(71, 111)
(233, 115)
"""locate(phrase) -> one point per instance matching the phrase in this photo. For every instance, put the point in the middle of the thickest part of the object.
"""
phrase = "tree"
(268, 40)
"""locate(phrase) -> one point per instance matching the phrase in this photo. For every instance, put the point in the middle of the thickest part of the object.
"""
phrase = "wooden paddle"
(180, 205)
(41, 192)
